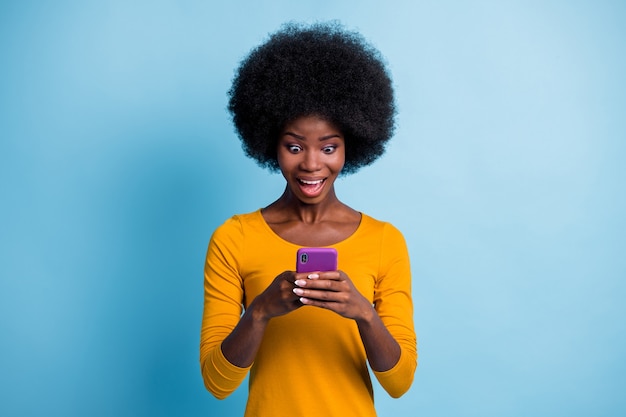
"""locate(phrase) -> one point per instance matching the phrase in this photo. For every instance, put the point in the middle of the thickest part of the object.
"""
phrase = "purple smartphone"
(316, 259)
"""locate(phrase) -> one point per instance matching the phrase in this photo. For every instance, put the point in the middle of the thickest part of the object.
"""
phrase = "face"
(311, 154)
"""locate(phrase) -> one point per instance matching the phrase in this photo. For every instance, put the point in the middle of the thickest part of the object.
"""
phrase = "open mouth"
(311, 188)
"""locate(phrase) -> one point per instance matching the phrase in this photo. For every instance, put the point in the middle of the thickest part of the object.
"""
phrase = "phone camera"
(304, 258)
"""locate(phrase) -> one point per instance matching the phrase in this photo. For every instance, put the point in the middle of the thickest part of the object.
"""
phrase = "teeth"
(311, 182)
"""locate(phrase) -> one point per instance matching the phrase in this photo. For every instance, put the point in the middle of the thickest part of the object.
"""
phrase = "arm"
(386, 328)
(229, 340)
(383, 351)
(223, 297)
(335, 291)
(241, 345)
(394, 305)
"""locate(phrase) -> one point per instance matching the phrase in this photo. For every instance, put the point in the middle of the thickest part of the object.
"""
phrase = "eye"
(329, 149)
(294, 148)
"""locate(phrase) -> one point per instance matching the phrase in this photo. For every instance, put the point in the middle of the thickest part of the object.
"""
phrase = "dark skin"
(311, 154)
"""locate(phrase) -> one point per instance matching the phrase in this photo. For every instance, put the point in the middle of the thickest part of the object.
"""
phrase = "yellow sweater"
(311, 361)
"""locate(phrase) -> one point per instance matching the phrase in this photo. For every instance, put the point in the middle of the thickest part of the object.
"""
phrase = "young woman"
(313, 102)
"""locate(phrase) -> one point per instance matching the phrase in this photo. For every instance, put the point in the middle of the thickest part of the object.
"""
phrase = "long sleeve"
(308, 347)
(393, 302)
(223, 297)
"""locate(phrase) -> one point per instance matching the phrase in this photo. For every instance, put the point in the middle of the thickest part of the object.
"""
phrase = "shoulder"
(383, 235)
(390, 243)
(235, 226)
(384, 228)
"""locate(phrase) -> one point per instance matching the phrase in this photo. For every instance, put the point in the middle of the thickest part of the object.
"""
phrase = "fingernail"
(298, 291)
(313, 276)
(300, 282)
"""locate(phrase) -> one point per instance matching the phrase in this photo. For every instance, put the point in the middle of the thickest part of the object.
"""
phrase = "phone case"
(316, 259)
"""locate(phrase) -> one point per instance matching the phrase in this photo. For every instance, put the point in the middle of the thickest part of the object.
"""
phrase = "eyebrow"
(323, 138)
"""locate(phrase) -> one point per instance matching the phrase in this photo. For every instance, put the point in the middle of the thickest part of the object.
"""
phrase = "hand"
(278, 298)
(334, 291)
(240, 347)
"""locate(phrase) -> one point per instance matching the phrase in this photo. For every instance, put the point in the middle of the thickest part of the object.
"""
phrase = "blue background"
(506, 175)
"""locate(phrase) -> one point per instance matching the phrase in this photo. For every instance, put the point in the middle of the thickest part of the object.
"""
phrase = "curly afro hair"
(319, 69)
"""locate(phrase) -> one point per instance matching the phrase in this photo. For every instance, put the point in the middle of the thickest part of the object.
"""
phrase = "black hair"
(320, 69)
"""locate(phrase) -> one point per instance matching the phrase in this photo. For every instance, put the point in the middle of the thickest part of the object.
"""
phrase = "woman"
(313, 102)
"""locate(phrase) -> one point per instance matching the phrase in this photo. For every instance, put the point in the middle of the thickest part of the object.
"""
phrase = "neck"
(294, 208)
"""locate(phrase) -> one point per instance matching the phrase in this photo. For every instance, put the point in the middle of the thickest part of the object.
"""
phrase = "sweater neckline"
(267, 227)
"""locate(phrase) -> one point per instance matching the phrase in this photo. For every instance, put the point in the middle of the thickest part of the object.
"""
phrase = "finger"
(328, 305)
(308, 275)
(289, 276)
(319, 295)
(310, 302)
(332, 275)
(321, 284)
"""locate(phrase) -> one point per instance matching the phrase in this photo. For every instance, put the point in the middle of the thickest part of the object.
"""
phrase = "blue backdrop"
(506, 175)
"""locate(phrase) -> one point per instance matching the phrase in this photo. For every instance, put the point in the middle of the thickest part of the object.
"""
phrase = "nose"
(311, 161)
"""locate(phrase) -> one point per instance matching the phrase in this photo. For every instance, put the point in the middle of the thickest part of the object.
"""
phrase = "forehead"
(312, 126)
